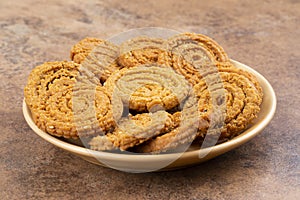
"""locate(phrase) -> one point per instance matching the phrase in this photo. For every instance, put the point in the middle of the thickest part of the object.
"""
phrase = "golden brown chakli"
(53, 94)
(146, 95)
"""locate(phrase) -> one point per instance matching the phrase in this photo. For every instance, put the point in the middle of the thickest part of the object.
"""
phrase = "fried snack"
(191, 55)
(92, 110)
(228, 67)
(239, 93)
(181, 66)
(157, 95)
(101, 143)
(148, 88)
(185, 125)
(140, 51)
(226, 101)
(80, 50)
(102, 61)
(41, 77)
(210, 45)
(133, 131)
(59, 103)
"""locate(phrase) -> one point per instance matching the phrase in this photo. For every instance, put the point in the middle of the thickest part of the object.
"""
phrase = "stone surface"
(262, 34)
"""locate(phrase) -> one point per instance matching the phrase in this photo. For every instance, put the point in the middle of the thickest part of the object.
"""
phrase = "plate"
(169, 161)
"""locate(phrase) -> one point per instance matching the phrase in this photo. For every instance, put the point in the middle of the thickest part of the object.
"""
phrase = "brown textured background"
(262, 34)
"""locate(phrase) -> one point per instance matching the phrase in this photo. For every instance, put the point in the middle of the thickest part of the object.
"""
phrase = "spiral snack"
(230, 68)
(181, 66)
(140, 50)
(190, 50)
(210, 45)
(102, 61)
(92, 110)
(49, 95)
(41, 78)
(147, 95)
(192, 54)
(242, 99)
(185, 125)
(101, 143)
(225, 108)
(148, 87)
(56, 116)
(80, 50)
(134, 130)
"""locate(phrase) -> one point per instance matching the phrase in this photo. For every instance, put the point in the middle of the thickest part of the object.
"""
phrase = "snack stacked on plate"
(146, 95)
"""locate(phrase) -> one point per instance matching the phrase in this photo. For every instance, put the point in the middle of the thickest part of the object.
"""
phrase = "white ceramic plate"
(146, 163)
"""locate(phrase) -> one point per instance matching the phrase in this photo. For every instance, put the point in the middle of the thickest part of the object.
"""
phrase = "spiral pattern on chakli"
(146, 95)
(148, 87)
(51, 93)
